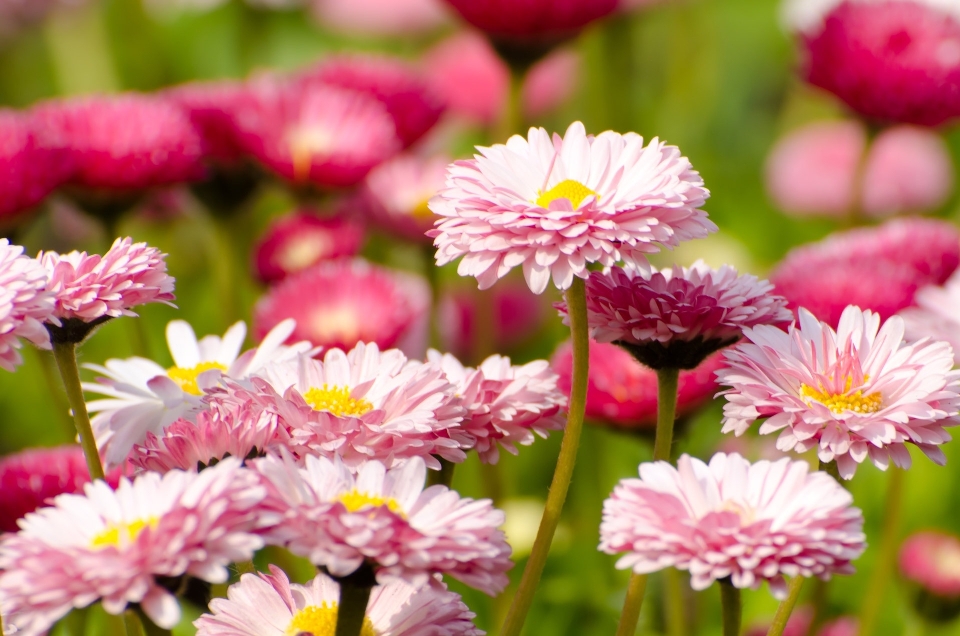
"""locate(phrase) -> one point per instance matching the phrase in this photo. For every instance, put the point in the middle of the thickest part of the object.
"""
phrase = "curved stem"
(632, 605)
(132, 624)
(732, 608)
(786, 607)
(886, 556)
(673, 599)
(354, 596)
(577, 307)
(66, 356)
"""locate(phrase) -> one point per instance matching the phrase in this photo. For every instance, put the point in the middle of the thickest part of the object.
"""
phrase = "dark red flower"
(28, 170)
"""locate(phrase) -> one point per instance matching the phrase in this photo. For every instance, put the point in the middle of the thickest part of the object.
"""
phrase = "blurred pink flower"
(395, 195)
(269, 605)
(300, 240)
(465, 70)
(25, 304)
(550, 82)
(29, 170)
(855, 393)
(341, 303)
(928, 559)
(213, 108)
(728, 518)
(112, 546)
(380, 17)
(529, 19)
(341, 520)
(799, 625)
(622, 393)
(937, 315)
(555, 205)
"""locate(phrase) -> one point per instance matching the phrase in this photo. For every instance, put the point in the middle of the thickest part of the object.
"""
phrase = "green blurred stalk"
(80, 51)
(354, 596)
(786, 607)
(60, 404)
(886, 556)
(673, 599)
(577, 308)
(442, 477)
(732, 608)
(66, 356)
(132, 624)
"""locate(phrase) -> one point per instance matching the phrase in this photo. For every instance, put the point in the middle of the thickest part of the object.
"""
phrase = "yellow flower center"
(118, 534)
(314, 620)
(422, 210)
(838, 402)
(336, 400)
(335, 324)
(355, 500)
(302, 251)
(747, 514)
(307, 142)
(187, 378)
(573, 191)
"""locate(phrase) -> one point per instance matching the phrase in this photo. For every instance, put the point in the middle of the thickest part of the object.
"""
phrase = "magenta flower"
(340, 521)
(212, 108)
(300, 240)
(342, 303)
(554, 205)
(25, 305)
(532, 19)
(395, 195)
(751, 523)
(465, 70)
(853, 393)
(622, 393)
(505, 404)
(269, 605)
(113, 545)
(677, 317)
(29, 171)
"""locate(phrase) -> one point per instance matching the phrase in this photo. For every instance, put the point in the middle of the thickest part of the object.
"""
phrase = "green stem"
(442, 477)
(354, 596)
(433, 278)
(886, 555)
(732, 608)
(245, 567)
(79, 49)
(630, 615)
(66, 356)
(673, 599)
(577, 308)
(57, 396)
(786, 607)
(132, 623)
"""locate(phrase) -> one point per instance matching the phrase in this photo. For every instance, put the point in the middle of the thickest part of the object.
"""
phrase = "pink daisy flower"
(936, 315)
(505, 404)
(113, 545)
(29, 171)
(751, 523)
(473, 81)
(928, 559)
(799, 625)
(384, 518)
(24, 304)
(677, 317)
(212, 108)
(878, 268)
(554, 205)
(396, 193)
(269, 605)
(300, 240)
(551, 82)
(853, 393)
(345, 302)
(532, 19)
(622, 393)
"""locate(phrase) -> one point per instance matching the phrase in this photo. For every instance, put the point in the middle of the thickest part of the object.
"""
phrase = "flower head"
(465, 70)
(112, 545)
(396, 192)
(212, 108)
(936, 315)
(728, 518)
(24, 304)
(29, 171)
(269, 605)
(853, 393)
(928, 562)
(554, 205)
(300, 240)
(532, 18)
(384, 517)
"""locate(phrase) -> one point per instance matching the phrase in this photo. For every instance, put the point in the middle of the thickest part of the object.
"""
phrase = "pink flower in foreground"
(342, 303)
(300, 240)
(384, 518)
(877, 268)
(622, 393)
(728, 518)
(677, 317)
(555, 205)
(269, 605)
(395, 195)
(937, 315)
(465, 70)
(380, 17)
(24, 304)
(853, 393)
(505, 404)
(113, 545)
(29, 171)
(532, 19)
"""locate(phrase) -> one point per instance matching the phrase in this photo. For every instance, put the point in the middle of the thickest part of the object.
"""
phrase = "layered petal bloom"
(114, 545)
(677, 317)
(143, 397)
(505, 404)
(855, 393)
(936, 315)
(622, 393)
(879, 268)
(29, 170)
(342, 303)
(395, 195)
(269, 605)
(300, 240)
(554, 205)
(751, 523)
(25, 305)
(529, 19)
(386, 519)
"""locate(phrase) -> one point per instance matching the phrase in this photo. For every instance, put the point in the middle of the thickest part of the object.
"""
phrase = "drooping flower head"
(505, 404)
(269, 605)
(344, 302)
(878, 268)
(622, 393)
(928, 562)
(384, 518)
(751, 523)
(554, 205)
(395, 195)
(29, 170)
(300, 240)
(114, 545)
(677, 317)
(853, 393)
(24, 304)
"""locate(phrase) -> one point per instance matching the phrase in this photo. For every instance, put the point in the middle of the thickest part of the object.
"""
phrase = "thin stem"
(59, 399)
(632, 605)
(732, 608)
(673, 599)
(886, 555)
(354, 596)
(442, 477)
(433, 278)
(786, 607)
(132, 623)
(577, 308)
(66, 356)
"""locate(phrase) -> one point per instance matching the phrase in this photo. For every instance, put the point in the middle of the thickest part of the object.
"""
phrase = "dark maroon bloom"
(896, 61)
(28, 171)
(537, 18)
(300, 240)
